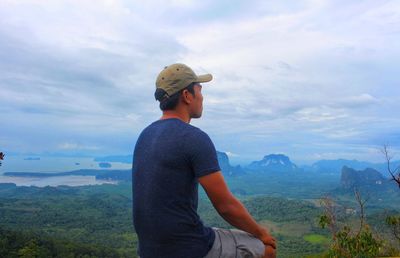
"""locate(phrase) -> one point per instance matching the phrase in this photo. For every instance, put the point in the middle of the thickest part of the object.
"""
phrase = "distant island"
(115, 158)
(104, 165)
(32, 158)
(118, 175)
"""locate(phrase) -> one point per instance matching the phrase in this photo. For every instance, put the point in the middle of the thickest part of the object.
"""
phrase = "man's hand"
(266, 238)
(269, 252)
(269, 242)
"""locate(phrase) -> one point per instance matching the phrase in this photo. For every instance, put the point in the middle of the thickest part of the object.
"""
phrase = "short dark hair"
(170, 103)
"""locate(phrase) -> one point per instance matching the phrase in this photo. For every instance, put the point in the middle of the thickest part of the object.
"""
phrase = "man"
(171, 157)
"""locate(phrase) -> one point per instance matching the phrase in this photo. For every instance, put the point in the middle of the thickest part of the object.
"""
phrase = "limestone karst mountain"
(274, 163)
(352, 178)
(226, 167)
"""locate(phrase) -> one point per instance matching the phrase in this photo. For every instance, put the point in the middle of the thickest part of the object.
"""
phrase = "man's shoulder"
(177, 124)
(196, 132)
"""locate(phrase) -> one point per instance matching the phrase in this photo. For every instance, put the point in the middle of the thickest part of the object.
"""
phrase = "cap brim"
(204, 78)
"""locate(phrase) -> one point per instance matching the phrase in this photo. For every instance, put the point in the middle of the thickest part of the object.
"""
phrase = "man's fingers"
(271, 242)
(269, 252)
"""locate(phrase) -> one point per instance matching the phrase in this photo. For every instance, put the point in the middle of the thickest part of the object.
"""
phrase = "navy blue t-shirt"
(170, 155)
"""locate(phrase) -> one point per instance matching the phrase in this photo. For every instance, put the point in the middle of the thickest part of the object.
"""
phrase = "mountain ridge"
(274, 163)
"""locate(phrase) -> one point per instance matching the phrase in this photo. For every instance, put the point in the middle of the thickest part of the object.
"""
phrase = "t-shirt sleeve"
(202, 154)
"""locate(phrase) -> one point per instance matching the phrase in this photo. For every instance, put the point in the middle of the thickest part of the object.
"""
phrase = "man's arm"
(231, 209)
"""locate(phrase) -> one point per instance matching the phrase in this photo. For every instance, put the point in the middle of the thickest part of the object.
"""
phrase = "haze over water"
(53, 165)
(54, 181)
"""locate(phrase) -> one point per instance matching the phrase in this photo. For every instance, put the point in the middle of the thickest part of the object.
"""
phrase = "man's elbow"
(228, 208)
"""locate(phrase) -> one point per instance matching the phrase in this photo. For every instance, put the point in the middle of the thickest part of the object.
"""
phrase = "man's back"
(169, 157)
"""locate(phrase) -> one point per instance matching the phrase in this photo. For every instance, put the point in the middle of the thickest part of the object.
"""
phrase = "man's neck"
(174, 114)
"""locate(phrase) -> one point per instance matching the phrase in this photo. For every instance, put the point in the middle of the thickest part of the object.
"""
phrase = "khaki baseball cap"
(176, 77)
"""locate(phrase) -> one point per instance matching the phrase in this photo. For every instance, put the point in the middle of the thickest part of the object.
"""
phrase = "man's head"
(178, 84)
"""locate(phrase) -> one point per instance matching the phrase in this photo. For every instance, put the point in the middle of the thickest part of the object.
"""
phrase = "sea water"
(54, 181)
(53, 165)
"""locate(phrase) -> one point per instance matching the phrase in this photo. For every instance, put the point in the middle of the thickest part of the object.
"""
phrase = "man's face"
(197, 104)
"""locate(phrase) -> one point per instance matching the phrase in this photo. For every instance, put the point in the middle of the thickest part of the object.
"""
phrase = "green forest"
(96, 221)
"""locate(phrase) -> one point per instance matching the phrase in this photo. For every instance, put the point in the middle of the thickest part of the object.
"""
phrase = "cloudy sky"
(310, 79)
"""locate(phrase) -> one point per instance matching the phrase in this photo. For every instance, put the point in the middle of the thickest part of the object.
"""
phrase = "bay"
(45, 164)
(53, 164)
(54, 181)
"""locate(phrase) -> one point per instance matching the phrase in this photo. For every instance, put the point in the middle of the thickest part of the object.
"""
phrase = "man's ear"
(186, 96)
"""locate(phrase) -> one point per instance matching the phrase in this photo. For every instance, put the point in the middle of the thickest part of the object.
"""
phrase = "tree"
(392, 221)
(1, 157)
(33, 250)
(328, 219)
(394, 173)
(347, 242)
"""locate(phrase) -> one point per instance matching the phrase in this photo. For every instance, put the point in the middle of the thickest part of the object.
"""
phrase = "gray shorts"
(233, 243)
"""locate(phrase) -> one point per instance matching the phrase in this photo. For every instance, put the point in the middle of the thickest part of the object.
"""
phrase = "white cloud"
(284, 72)
(320, 114)
(231, 154)
(76, 146)
(358, 101)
